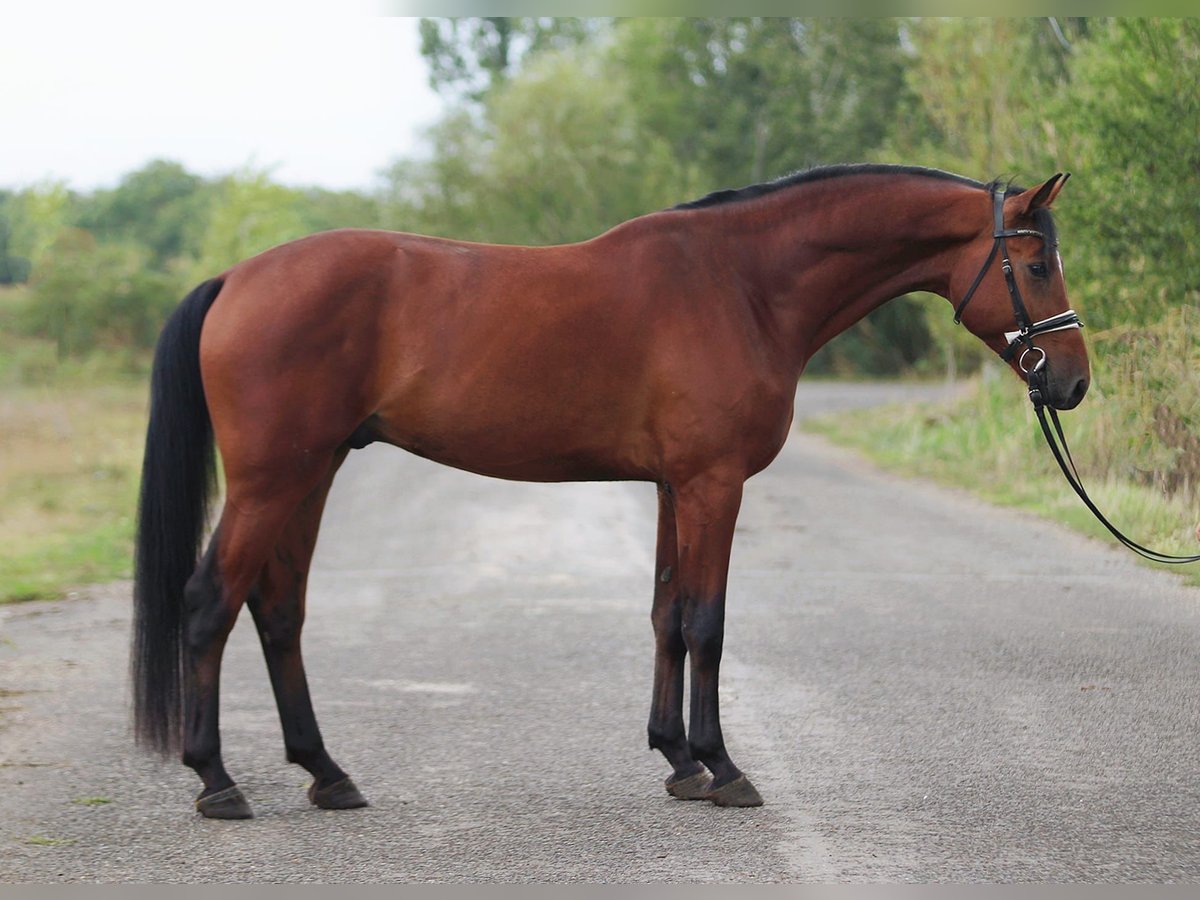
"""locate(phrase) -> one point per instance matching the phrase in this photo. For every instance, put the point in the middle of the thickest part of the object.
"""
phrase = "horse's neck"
(819, 257)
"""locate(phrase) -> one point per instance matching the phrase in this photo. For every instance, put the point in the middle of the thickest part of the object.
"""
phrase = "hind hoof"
(694, 787)
(224, 804)
(339, 795)
(739, 792)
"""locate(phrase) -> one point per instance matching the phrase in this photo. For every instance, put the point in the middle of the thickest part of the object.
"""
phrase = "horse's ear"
(1039, 197)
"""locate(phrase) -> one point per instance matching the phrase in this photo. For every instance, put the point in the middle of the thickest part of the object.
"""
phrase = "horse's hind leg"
(255, 513)
(278, 606)
(689, 780)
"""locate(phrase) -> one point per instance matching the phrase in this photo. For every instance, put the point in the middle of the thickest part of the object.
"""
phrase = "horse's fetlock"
(662, 737)
(707, 750)
(199, 757)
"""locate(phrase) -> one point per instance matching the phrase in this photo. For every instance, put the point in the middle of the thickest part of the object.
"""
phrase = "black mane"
(821, 173)
(1042, 217)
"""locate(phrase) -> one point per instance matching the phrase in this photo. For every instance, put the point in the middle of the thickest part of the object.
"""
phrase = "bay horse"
(665, 350)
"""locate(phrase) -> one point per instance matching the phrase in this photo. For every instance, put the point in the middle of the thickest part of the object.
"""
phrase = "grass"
(989, 443)
(69, 459)
(70, 453)
(92, 801)
(40, 840)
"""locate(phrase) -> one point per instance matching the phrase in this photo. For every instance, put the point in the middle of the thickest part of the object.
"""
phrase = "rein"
(1035, 371)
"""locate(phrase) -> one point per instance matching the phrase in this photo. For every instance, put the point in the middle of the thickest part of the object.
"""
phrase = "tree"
(554, 156)
(88, 294)
(1128, 125)
(160, 206)
(13, 269)
(473, 55)
(36, 216)
(567, 158)
(740, 100)
(250, 214)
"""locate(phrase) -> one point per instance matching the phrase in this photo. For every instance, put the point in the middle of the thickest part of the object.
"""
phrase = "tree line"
(557, 129)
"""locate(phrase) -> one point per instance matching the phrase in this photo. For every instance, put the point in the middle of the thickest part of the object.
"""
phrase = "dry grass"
(70, 451)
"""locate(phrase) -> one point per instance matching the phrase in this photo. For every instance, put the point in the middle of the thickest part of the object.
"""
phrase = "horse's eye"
(1039, 270)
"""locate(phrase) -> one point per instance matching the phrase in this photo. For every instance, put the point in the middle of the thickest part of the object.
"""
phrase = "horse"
(665, 350)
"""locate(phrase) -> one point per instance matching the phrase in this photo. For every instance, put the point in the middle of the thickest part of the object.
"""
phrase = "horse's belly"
(521, 446)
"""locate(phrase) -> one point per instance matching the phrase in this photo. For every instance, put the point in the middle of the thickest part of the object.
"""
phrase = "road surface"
(922, 687)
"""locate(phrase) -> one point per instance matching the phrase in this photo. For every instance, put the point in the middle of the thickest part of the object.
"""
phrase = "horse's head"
(1016, 300)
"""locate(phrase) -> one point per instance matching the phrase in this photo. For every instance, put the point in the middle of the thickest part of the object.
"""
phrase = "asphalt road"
(922, 687)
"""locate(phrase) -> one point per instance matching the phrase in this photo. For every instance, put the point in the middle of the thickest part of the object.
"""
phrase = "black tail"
(178, 475)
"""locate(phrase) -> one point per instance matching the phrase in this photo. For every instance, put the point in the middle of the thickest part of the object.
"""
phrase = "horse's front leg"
(706, 510)
(689, 780)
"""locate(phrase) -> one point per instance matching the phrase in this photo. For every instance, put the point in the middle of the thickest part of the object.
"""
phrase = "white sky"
(325, 101)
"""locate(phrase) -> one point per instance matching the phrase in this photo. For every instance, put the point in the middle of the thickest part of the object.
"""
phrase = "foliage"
(740, 100)
(14, 269)
(1129, 125)
(160, 207)
(34, 218)
(472, 56)
(89, 294)
(1147, 390)
(249, 214)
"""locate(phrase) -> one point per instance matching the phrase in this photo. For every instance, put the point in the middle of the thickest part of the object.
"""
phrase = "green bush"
(87, 295)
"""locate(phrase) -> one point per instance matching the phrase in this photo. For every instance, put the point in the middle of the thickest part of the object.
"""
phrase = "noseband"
(1035, 370)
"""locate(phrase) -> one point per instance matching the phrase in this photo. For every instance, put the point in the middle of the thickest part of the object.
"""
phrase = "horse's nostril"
(1077, 392)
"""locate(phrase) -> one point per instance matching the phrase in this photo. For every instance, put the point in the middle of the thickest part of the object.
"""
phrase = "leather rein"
(1022, 340)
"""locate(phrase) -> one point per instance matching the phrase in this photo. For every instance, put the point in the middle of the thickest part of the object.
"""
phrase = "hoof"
(694, 787)
(339, 795)
(739, 792)
(224, 804)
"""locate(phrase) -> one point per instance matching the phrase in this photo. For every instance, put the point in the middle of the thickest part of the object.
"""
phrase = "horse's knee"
(668, 639)
(704, 634)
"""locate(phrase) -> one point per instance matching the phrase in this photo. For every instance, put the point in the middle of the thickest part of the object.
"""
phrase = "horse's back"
(524, 362)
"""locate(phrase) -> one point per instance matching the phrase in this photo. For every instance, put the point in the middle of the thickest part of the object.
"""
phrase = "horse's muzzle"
(1066, 393)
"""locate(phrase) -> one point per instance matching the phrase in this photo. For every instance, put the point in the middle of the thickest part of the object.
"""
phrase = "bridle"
(1026, 330)
(1035, 371)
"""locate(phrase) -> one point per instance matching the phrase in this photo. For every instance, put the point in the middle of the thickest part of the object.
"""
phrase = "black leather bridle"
(1026, 330)
(1035, 371)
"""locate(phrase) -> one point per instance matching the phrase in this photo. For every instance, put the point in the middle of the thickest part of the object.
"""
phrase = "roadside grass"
(41, 840)
(92, 801)
(988, 441)
(70, 451)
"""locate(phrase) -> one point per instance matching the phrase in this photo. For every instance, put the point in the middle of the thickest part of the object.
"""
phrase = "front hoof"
(339, 795)
(224, 804)
(694, 787)
(739, 792)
